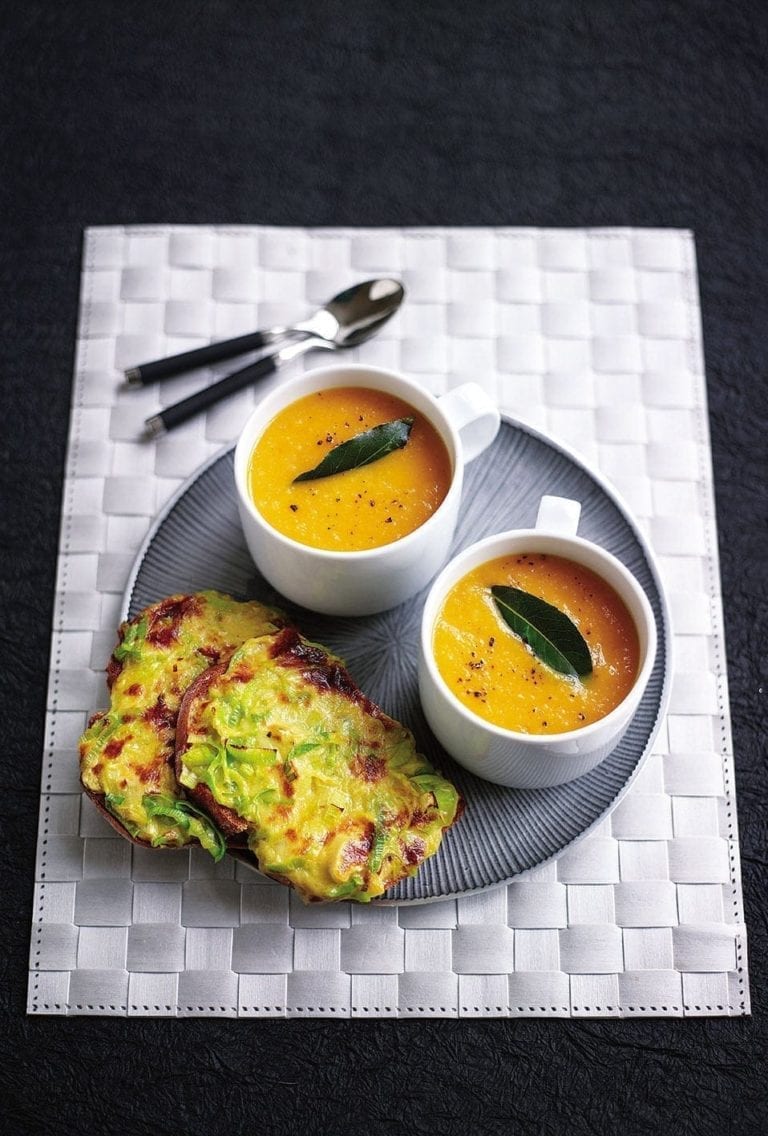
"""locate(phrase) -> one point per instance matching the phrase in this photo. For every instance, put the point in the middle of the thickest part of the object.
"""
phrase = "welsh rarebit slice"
(127, 751)
(293, 762)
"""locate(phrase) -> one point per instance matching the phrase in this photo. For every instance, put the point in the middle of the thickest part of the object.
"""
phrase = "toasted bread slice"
(127, 751)
(285, 754)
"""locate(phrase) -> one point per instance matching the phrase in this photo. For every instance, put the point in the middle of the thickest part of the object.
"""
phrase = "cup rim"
(243, 451)
(455, 569)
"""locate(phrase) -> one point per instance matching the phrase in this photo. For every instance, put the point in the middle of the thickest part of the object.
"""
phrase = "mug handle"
(474, 415)
(558, 515)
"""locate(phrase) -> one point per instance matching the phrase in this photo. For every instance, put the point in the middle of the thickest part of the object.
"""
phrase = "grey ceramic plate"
(197, 543)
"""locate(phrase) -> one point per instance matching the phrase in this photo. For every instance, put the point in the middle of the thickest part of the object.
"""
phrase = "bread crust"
(99, 800)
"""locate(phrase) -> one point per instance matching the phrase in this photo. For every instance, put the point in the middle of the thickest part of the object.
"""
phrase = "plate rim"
(628, 517)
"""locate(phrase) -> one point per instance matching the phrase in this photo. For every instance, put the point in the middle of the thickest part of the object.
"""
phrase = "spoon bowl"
(343, 338)
(361, 308)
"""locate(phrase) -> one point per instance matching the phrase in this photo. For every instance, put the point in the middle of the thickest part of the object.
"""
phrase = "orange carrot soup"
(360, 508)
(494, 673)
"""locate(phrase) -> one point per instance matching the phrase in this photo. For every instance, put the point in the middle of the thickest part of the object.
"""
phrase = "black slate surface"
(554, 113)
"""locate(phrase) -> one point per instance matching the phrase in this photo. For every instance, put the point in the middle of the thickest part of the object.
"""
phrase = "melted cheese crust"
(338, 802)
(126, 753)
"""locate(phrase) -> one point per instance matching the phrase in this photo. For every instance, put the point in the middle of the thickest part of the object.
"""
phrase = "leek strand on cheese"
(377, 849)
(444, 793)
(130, 646)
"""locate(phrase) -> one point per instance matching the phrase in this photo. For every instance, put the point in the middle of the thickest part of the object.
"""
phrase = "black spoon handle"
(187, 360)
(200, 400)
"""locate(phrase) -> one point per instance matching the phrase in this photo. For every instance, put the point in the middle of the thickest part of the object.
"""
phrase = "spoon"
(360, 301)
(348, 320)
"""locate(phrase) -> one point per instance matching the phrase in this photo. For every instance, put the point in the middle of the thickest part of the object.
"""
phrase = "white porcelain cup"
(508, 757)
(364, 582)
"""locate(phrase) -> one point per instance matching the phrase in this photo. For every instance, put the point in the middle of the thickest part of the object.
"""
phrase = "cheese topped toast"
(289, 758)
(127, 751)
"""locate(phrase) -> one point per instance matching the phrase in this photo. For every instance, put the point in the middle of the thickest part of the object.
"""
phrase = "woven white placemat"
(591, 335)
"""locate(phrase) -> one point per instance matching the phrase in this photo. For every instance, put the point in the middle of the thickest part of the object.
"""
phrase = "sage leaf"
(550, 634)
(362, 449)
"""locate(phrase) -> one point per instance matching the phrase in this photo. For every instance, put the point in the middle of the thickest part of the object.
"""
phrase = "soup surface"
(360, 508)
(495, 675)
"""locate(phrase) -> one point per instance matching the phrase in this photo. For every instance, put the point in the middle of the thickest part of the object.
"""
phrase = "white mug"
(508, 757)
(373, 580)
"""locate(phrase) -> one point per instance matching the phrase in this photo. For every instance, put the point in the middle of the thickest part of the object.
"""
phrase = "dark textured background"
(540, 112)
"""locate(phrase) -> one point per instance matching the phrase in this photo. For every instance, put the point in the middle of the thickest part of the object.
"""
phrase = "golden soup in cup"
(494, 673)
(360, 508)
